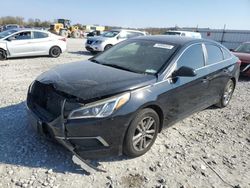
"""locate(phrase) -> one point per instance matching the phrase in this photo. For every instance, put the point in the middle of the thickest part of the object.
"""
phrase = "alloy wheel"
(228, 92)
(144, 133)
(55, 51)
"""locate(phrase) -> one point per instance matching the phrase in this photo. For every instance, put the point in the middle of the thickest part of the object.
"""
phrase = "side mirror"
(184, 72)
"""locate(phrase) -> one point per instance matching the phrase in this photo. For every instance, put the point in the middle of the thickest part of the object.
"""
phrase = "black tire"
(64, 33)
(137, 141)
(76, 34)
(55, 51)
(107, 47)
(3, 55)
(227, 94)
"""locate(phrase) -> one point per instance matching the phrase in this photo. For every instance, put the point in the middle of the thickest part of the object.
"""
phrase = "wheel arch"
(5, 51)
(159, 111)
(108, 45)
(234, 80)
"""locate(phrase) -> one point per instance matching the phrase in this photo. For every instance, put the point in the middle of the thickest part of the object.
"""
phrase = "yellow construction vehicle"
(64, 28)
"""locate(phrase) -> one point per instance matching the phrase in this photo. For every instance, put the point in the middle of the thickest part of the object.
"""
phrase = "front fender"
(3, 45)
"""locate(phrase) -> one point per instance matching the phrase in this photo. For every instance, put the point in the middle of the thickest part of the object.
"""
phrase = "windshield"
(244, 48)
(7, 33)
(110, 34)
(140, 56)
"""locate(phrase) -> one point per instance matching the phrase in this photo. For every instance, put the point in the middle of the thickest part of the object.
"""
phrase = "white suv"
(184, 34)
(110, 38)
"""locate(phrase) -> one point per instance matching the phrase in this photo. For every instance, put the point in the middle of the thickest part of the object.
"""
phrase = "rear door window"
(214, 54)
(193, 57)
(40, 35)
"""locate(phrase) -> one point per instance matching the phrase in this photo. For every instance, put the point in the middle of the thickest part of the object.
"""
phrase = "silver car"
(110, 38)
(30, 42)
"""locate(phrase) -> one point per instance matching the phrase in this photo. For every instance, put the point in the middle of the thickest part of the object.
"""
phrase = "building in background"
(229, 38)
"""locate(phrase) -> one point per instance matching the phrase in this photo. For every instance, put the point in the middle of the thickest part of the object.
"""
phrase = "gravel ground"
(209, 149)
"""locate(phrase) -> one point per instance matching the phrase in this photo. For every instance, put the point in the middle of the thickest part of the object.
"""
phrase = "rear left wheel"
(227, 94)
(55, 52)
(141, 133)
(3, 55)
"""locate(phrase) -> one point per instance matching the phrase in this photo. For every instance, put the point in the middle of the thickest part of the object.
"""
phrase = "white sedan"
(29, 42)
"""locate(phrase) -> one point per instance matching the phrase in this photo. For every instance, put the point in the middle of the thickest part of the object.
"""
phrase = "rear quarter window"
(226, 53)
(214, 54)
(40, 35)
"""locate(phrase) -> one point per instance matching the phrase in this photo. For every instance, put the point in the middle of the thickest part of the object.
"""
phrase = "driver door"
(188, 94)
(20, 44)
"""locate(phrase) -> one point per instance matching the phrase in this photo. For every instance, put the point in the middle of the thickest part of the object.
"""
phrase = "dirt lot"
(209, 149)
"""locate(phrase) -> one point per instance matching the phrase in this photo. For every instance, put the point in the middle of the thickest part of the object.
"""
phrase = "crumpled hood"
(245, 57)
(87, 80)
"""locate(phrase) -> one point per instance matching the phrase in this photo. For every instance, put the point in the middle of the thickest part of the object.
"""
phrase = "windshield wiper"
(120, 67)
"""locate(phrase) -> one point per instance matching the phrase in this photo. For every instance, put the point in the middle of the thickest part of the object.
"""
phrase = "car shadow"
(29, 57)
(21, 145)
(81, 53)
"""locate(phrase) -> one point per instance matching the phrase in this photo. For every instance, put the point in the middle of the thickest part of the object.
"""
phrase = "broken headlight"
(101, 108)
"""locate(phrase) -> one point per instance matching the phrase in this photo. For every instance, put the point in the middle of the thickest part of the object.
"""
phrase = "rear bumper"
(87, 138)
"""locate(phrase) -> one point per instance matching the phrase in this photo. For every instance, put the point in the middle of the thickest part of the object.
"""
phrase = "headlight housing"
(101, 108)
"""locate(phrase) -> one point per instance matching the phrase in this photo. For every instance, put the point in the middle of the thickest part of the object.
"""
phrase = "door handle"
(205, 80)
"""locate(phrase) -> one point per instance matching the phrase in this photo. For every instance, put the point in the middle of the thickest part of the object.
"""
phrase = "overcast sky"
(136, 13)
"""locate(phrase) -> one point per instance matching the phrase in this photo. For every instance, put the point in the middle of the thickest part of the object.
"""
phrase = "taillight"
(239, 62)
(63, 39)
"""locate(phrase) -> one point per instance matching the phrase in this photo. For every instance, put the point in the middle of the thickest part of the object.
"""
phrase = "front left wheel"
(55, 52)
(3, 55)
(141, 133)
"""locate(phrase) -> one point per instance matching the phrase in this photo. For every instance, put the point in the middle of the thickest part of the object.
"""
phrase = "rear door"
(219, 68)
(20, 44)
(188, 94)
(41, 42)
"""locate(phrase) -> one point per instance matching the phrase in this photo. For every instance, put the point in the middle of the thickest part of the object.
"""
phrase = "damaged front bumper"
(85, 138)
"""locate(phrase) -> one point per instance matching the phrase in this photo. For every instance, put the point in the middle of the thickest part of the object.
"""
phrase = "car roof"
(173, 39)
(27, 29)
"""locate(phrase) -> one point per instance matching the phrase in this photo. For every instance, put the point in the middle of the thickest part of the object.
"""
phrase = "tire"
(3, 55)
(107, 47)
(64, 33)
(76, 34)
(227, 94)
(55, 51)
(139, 137)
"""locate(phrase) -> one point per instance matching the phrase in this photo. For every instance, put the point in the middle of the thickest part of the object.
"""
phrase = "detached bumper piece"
(45, 110)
